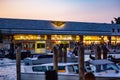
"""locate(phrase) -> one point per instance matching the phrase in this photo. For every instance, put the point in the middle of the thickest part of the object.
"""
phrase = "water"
(8, 68)
(8, 72)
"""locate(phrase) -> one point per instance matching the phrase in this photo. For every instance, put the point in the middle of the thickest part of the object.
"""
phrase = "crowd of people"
(71, 52)
(103, 49)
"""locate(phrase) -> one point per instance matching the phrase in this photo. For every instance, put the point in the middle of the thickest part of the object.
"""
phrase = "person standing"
(75, 50)
(105, 51)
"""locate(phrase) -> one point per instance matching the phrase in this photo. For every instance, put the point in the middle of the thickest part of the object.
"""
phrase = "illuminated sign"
(58, 24)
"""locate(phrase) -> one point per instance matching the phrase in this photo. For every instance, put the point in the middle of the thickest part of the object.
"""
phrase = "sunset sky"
(100, 11)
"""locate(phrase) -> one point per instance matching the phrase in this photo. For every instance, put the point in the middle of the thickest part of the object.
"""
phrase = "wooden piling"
(18, 63)
(55, 58)
(97, 52)
(52, 75)
(60, 53)
(81, 60)
(65, 53)
(97, 55)
(105, 51)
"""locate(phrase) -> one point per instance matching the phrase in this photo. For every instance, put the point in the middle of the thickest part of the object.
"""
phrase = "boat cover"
(100, 62)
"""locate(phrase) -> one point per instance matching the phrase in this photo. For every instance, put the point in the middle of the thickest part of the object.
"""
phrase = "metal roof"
(25, 26)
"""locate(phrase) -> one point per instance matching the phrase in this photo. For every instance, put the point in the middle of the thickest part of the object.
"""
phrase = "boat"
(111, 58)
(91, 57)
(66, 71)
(45, 58)
(103, 69)
(38, 59)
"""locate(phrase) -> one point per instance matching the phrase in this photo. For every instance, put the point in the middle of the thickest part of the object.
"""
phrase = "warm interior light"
(61, 37)
(29, 37)
(58, 24)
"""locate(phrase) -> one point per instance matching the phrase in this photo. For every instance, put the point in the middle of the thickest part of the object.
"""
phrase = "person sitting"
(91, 57)
(70, 54)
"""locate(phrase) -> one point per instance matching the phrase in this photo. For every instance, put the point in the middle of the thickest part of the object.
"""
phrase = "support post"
(18, 63)
(109, 38)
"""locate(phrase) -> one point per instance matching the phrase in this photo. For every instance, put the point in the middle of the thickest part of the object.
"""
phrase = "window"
(41, 45)
(70, 69)
(50, 67)
(75, 67)
(113, 30)
(60, 68)
(39, 69)
(118, 30)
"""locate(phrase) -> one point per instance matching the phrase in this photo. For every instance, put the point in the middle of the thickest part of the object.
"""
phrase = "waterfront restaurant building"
(39, 36)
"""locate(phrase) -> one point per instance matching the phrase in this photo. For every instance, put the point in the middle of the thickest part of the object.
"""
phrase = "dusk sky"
(100, 11)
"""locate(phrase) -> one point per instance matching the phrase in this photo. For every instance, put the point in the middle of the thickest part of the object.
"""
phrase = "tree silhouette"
(1, 37)
(116, 20)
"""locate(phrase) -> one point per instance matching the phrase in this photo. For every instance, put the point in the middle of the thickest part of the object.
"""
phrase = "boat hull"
(46, 60)
(42, 76)
(106, 78)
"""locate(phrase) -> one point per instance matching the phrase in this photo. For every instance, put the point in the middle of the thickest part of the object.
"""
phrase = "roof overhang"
(23, 31)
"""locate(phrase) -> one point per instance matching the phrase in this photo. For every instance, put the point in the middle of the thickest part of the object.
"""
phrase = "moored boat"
(66, 71)
(45, 59)
(102, 69)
